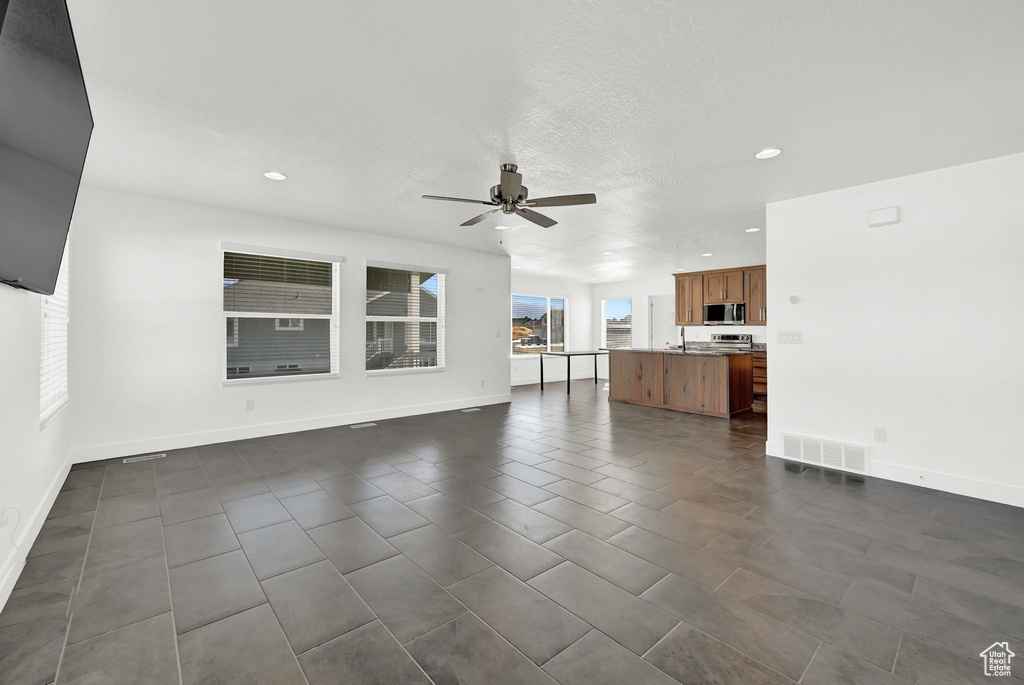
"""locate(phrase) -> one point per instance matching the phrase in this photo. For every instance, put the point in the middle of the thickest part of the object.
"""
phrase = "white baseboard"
(169, 442)
(960, 485)
(990, 491)
(30, 527)
(554, 378)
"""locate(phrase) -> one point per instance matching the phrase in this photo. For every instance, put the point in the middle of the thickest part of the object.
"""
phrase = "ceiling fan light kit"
(510, 196)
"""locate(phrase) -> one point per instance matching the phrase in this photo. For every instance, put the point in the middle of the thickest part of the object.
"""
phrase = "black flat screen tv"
(45, 126)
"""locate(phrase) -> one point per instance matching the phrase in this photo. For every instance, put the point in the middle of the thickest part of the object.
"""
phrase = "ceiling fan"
(511, 197)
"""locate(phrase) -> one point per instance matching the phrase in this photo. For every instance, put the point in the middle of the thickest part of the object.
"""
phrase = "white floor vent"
(132, 460)
(842, 456)
(471, 409)
(363, 425)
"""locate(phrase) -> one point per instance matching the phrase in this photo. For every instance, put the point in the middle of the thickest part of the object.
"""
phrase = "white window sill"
(272, 380)
(52, 413)
(402, 372)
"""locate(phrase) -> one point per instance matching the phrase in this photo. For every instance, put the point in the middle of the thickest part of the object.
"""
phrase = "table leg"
(542, 372)
(595, 369)
(568, 374)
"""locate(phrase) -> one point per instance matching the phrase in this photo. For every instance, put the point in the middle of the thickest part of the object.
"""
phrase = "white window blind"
(404, 319)
(53, 369)
(281, 316)
(538, 324)
(618, 322)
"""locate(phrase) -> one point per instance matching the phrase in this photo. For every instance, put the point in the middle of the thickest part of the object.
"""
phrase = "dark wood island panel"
(713, 385)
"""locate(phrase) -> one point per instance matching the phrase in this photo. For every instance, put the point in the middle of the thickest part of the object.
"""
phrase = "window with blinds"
(404, 319)
(281, 316)
(618, 322)
(538, 324)
(53, 368)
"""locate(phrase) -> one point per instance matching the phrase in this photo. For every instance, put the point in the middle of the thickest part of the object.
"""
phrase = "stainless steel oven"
(724, 314)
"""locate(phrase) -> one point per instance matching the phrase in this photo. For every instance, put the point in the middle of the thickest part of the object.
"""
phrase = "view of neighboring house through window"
(618, 322)
(538, 324)
(53, 367)
(404, 319)
(281, 316)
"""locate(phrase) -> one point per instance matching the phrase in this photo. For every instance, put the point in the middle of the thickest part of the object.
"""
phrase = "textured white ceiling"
(657, 107)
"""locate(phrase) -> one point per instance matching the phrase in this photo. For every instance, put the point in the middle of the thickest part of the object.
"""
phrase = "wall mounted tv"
(45, 125)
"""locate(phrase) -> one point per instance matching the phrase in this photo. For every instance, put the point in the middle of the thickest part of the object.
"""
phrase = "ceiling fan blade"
(457, 199)
(536, 218)
(511, 185)
(562, 200)
(477, 219)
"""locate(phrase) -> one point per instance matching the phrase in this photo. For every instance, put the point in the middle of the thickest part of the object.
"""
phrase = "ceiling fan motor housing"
(507, 206)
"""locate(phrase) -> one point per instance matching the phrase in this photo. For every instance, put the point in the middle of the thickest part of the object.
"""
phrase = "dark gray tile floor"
(557, 539)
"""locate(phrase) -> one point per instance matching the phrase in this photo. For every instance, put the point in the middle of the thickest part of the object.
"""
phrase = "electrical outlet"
(250, 405)
(879, 434)
(497, 333)
(482, 382)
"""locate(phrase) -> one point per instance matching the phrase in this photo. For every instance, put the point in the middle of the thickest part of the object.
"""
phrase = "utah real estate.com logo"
(997, 659)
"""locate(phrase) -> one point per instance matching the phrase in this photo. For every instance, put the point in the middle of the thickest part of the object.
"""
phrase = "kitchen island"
(712, 383)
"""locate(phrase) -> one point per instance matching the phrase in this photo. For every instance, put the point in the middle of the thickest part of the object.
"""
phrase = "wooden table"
(568, 364)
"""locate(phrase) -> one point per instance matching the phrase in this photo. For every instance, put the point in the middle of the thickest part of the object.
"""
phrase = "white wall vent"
(842, 456)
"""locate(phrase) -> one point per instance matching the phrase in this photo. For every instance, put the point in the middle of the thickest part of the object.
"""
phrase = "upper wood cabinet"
(723, 286)
(728, 286)
(689, 300)
(755, 296)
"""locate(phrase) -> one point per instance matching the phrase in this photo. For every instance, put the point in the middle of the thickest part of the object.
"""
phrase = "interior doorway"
(661, 322)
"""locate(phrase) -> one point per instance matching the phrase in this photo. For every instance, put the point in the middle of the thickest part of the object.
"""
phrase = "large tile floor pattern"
(557, 539)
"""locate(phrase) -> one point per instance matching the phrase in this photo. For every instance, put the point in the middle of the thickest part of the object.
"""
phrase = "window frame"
(278, 327)
(604, 320)
(565, 323)
(440, 320)
(334, 318)
(63, 394)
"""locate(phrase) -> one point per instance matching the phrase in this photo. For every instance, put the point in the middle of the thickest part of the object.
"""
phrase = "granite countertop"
(695, 351)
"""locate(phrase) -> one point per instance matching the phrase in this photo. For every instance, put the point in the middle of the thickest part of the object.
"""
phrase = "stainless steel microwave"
(724, 314)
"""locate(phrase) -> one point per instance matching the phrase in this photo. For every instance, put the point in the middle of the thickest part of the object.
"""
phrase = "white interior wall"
(147, 350)
(914, 327)
(639, 291)
(34, 459)
(525, 369)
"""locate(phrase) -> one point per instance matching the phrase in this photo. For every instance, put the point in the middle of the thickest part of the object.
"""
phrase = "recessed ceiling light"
(593, 279)
(768, 153)
(708, 254)
(680, 269)
(607, 253)
(499, 227)
(753, 230)
(517, 267)
(275, 176)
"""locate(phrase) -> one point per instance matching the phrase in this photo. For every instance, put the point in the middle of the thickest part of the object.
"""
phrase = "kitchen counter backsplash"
(704, 344)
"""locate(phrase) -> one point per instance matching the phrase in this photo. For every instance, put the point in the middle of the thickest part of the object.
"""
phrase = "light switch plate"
(789, 337)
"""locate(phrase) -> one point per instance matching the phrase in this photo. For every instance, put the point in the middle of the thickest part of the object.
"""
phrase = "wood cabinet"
(723, 286)
(728, 286)
(637, 377)
(689, 300)
(760, 373)
(700, 384)
(755, 296)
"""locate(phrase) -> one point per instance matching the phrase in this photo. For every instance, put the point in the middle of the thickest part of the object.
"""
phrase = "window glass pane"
(53, 368)
(401, 345)
(395, 292)
(260, 283)
(557, 327)
(262, 350)
(618, 323)
(529, 324)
